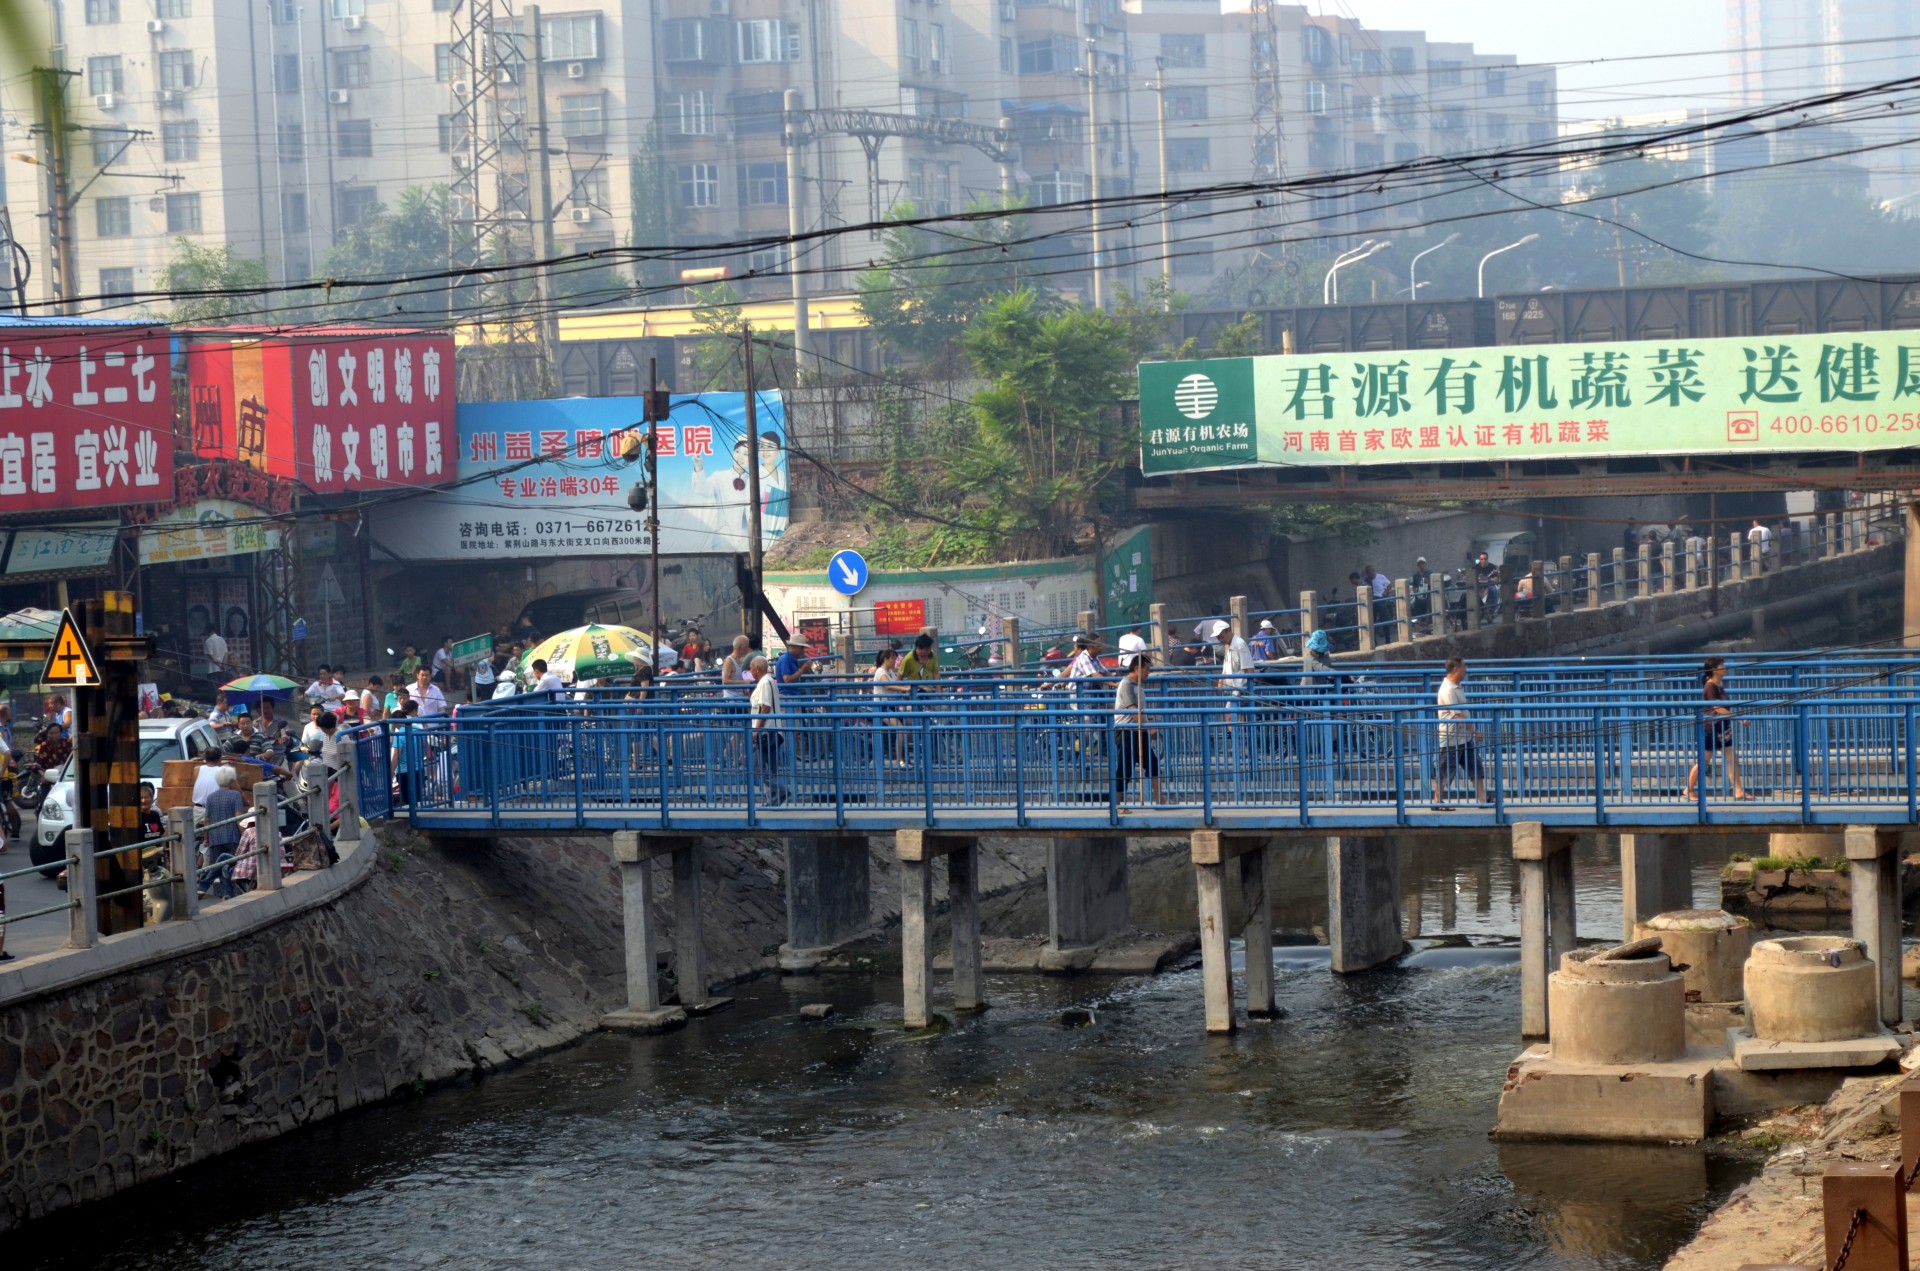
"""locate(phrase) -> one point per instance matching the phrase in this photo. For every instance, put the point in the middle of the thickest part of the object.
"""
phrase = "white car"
(160, 740)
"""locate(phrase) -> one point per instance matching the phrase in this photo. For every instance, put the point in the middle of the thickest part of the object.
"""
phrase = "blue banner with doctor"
(537, 478)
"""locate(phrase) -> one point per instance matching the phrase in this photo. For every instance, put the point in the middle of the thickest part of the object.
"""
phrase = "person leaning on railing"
(225, 807)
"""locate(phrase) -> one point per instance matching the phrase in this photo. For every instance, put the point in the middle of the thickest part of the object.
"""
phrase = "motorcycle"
(30, 789)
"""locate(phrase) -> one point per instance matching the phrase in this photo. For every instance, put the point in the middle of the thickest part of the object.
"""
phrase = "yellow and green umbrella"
(592, 652)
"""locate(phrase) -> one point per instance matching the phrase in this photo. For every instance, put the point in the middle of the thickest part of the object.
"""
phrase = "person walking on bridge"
(1458, 748)
(1134, 740)
(1716, 730)
(767, 736)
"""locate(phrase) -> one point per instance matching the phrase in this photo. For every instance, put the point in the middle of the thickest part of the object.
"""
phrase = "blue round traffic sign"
(847, 572)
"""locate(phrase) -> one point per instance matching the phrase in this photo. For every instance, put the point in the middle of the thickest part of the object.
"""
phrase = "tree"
(408, 240)
(932, 281)
(717, 358)
(221, 286)
(655, 223)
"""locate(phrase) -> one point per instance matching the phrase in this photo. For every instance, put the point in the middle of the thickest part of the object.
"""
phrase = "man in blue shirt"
(793, 662)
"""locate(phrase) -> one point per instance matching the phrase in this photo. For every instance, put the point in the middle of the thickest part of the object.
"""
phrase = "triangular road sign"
(70, 663)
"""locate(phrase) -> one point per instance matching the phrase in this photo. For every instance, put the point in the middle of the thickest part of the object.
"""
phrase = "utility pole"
(756, 564)
(16, 264)
(1619, 246)
(549, 322)
(1093, 170)
(796, 190)
(656, 415)
(50, 99)
(1166, 179)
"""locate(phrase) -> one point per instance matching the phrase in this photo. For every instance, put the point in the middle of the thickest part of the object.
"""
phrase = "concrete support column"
(1910, 599)
(1666, 568)
(1258, 934)
(1619, 573)
(1546, 915)
(1873, 859)
(1010, 641)
(1363, 903)
(645, 1010)
(1473, 602)
(1693, 564)
(916, 850)
(266, 835)
(1086, 890)
(963, 912)
(1363, 618)
(1237, 616)
(349, 779)
(1829, 536)
(689, 943)
(183, 860)
(1655, 878)
(1593, 580)
(83, 920)
(1216, 966)
(1736, 556)
(1309, 615)
(1157, 619)
(829, 896)
(1644, 583)
(1403, 610)
(916, 944)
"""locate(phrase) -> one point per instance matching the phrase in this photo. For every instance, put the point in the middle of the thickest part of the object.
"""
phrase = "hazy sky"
(1567, 31)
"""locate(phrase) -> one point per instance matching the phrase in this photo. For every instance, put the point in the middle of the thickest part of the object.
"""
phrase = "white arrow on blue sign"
(847, 572)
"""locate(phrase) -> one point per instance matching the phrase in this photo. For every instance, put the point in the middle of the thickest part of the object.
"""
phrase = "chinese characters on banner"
(86, 418)
(899, 617)
(335, 411)
(1849, 391)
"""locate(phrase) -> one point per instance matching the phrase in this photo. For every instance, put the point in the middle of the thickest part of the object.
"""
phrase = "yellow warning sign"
(70, 664)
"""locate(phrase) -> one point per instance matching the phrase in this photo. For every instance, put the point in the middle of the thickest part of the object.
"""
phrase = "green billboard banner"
(1848, 391)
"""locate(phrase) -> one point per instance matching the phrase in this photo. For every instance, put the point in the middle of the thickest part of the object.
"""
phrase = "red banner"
(336, 410)
(86, 418)
(899, 617)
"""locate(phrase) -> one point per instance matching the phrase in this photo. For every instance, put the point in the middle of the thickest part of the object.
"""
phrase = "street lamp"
(1413, 292)
(1413, 270)
(1330, 289)
(1495, 252)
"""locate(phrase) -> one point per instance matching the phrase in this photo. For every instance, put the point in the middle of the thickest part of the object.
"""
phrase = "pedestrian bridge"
(1821, 739)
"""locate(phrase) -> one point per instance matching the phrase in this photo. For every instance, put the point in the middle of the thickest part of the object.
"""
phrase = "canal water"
(1351, 1133)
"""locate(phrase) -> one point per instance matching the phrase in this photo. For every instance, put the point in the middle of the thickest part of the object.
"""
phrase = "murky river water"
(1351, 1133)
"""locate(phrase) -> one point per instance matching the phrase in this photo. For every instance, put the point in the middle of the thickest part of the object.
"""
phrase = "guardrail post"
(266, 834)
(1403, 610)
(1593, 580)
(182, 860)
(1864, 1210)
(1619, 573)
(83, 931)
(1643, 557)
(1693, 563)
(1157, 616)
(1010, 636)
(1473, 602)
(1309, 617)
(1237, 616)
(313, 775)
(1363, 618)
(849, 654)
(1537, 576)
(348, 778)
(1666, 568)
(1736, 556)
(1829, 543)
(1509, 610)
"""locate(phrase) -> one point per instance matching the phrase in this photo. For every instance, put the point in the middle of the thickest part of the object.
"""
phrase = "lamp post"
(1413, 292)
(1413, 270)
(1495, 252)
(1330, 289)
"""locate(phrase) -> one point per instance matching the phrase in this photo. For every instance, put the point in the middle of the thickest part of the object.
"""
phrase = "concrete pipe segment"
(1811, 989)
(1708, 947)
(1617, 1006)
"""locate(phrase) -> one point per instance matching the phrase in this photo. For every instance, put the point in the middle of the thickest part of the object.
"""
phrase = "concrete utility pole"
(755, 563)
(1093, 170)
(796, 190)
(50, 105)
(1166, 177)
(656, 416)
(543, 186)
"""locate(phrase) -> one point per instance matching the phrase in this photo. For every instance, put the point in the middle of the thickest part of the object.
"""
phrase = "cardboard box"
(181, 772)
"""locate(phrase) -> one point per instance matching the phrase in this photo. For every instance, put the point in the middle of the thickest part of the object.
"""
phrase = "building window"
(699, 184)
(104, 75)
(299, 265)
(1537, 94)
(175, 8)
(286, 72)
(293, 141)
(1453, 118)
(444, 125)
(1315, 45)
(1046, 56)
(176, 69)
(691, 40)
(1361, 109)
(349, 8)
(101, 12)
(180, 141)
(768, 260)
(442, 63)
(1186, 103)
(937, 48)
(284, 12)
(443, 6)
(352, 68)
(354, 138)
(1404, 109)
(1400, 61)
(357, 204)
(1058, 187)
(909, 43)
(113, 217)
(1316, 93)
(293, 212)
(1370, 63)
(692, 111)
(1368, 155)
(1192, 260)
(583, 115)
(1006, 56)
(758, 114)
(572, 37)
(1496, 81)
(106, 144)
(1496, 127)
(1189, 154)
(763, 184)
(116, 282)
(764, 40)
(1405, 152)
(590, 190)
(1539, 134)
(183, 214)
(1445, 71)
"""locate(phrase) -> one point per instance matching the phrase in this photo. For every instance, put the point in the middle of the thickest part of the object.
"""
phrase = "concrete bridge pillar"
(1212, 849)
(1873, 873)
(1655, 878)
(646, 1009)
(1543, 859)
(1086, 896)
(1363, 903)
(829, 897)
(917, 849)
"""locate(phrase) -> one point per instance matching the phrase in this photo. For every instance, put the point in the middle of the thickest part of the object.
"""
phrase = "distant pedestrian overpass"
(1825, 739)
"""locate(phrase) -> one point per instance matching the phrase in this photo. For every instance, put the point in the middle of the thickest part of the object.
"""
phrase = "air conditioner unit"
(155, 26)
(105, 101)
(336, 97)
(158, 203)
(576, 70)
(167, 97)
(582, 215)
(352, 22)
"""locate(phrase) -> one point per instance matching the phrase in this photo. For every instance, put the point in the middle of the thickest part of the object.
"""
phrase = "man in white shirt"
(424, 691)
(1456, 748)
(547, 682)
(327, 688)
(764, 704)
(1758, 540)
(1236, 661)
(1086, 658)
(216, 650)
